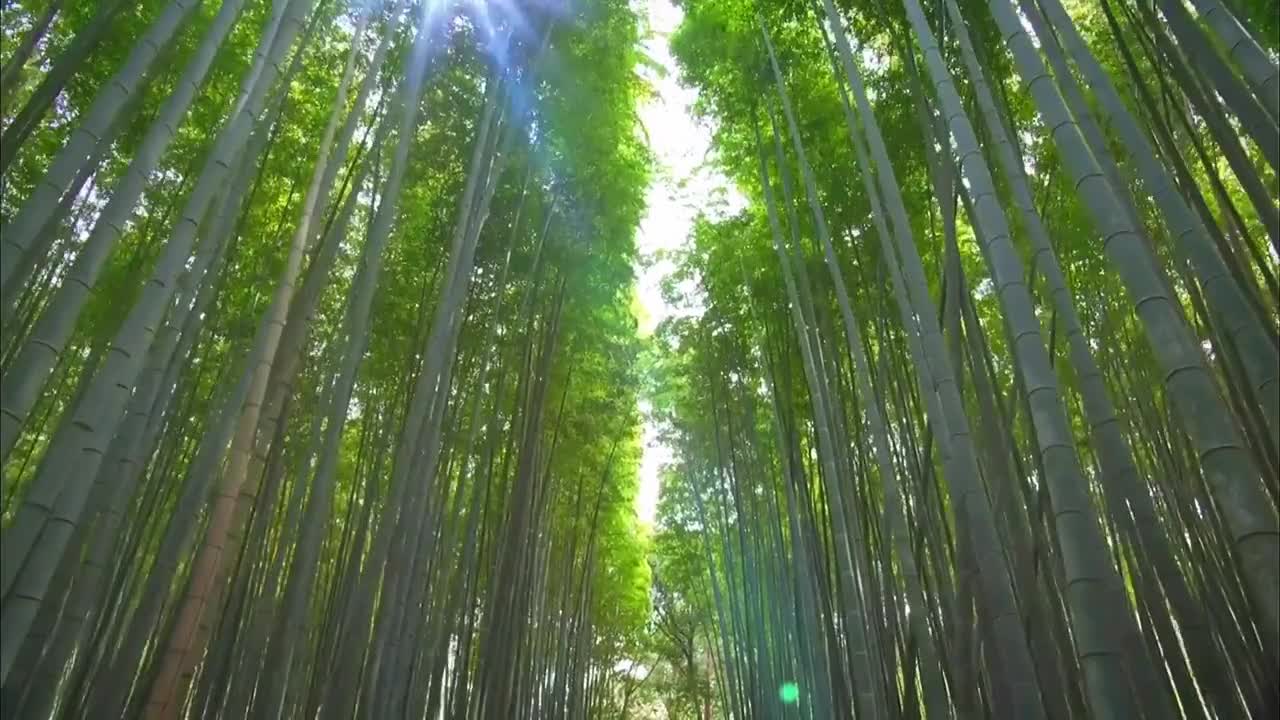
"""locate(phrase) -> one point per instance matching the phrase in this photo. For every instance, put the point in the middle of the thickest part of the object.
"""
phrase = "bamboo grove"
(317, 348)
(322, 377)
(974, 405)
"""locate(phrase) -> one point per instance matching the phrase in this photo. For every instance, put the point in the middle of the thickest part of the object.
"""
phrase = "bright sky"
(684, 184)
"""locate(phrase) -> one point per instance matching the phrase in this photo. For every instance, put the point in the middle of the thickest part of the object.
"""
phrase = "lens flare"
(789, 693)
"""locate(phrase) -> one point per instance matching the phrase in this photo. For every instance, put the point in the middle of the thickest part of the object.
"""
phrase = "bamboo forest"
(653, 359)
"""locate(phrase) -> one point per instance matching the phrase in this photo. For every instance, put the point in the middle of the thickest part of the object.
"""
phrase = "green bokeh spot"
(789, 693)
